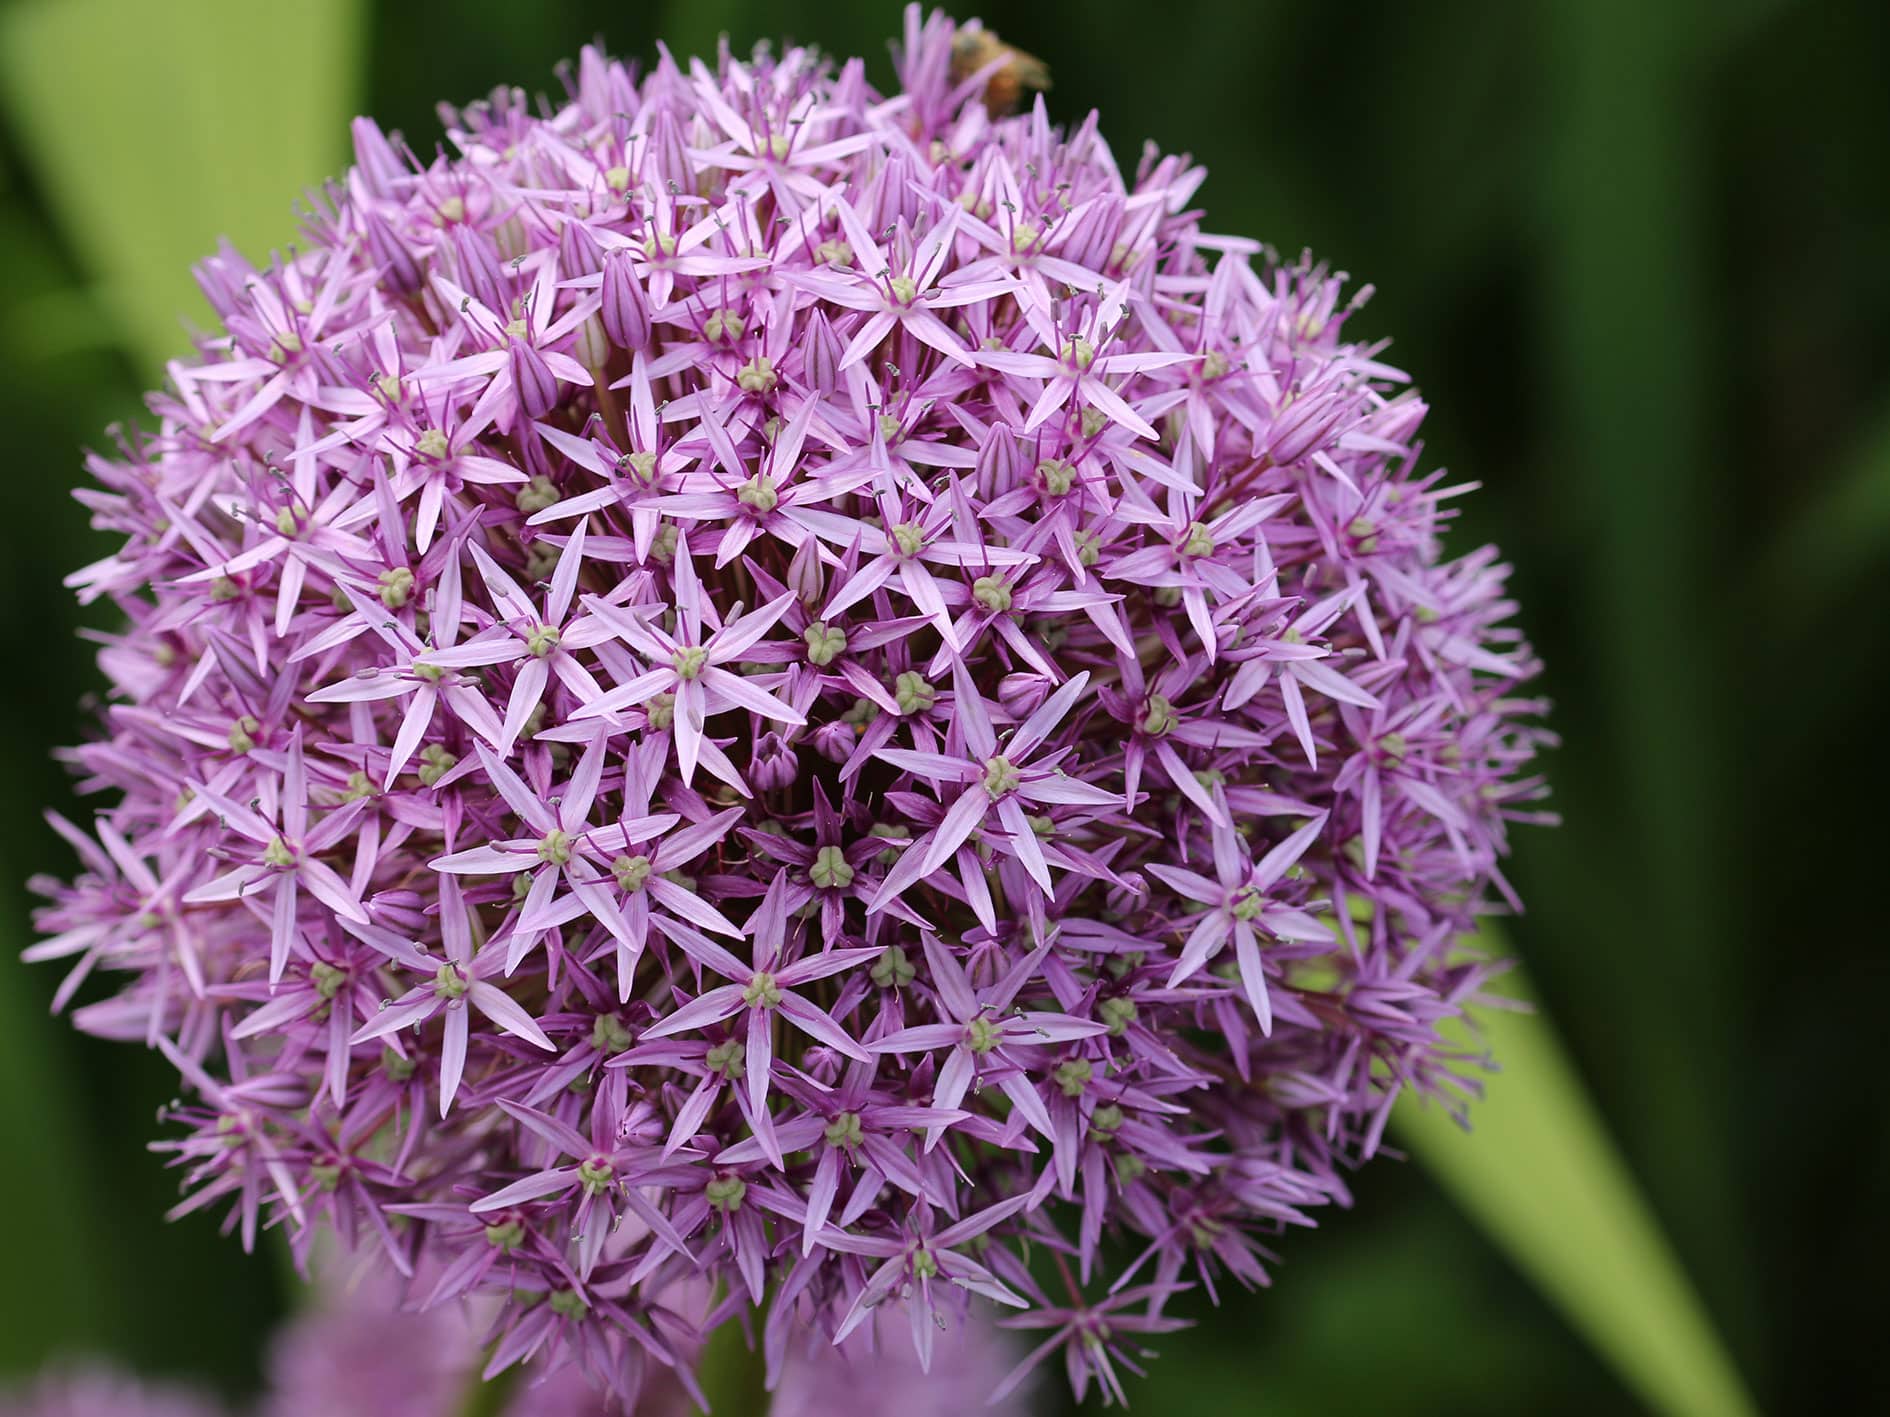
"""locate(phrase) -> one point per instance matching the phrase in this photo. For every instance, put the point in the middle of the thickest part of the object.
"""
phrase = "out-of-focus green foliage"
(1634, 255)
(158, 128)
(79, 1299)
(1841, 536)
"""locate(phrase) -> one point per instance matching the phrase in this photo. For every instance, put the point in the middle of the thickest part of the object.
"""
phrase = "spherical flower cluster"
(746, 684)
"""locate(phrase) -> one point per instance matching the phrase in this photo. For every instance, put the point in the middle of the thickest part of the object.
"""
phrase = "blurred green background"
(1636, 257)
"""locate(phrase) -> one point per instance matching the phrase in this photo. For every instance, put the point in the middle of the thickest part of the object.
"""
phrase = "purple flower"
(761, 992)
(986, 1034)
(1240, 908)
(985, 783)
(689, 668)
(918, 1258)
(605, 1166)
(749, 689)
(1094, 1339)
(281, 857)
(447, 987)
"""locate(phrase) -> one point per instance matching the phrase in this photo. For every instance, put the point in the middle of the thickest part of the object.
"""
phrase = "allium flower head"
(743, 686)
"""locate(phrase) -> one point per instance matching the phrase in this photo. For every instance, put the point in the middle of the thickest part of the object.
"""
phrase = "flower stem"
(488, 1398)
(734, 1374)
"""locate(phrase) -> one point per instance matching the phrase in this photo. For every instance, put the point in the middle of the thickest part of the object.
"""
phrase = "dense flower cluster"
(749, 684)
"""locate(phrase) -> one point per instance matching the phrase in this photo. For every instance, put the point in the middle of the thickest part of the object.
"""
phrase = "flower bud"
(476, 262)
(996, 469)
(1090, 238)
(578, 251)
(821, 355)
(532, 380)
(591, 347)
(1022, 693)
(896, 194)
(807, 577)
(1397, 422)
(669, 154)
(399, 269)
(626, 309)
(835, 741)
(222, 278)
(512, 239)
(1308, 423)
(773, 766)
(375, 162)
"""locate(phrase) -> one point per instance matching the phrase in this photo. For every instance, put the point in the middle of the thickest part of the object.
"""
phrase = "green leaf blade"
(1540, 1175)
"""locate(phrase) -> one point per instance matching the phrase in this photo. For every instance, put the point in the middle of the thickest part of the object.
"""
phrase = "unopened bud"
(835, 741)
(807, 577)
(578, 251)
(1022, 693)
(626, 310)
(821, 351)
(773, 766)
(400, 272)
(477, 265)
(512, 239)
(532, 380)
(996, 469)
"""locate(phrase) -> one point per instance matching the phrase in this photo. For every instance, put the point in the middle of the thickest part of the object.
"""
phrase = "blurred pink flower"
(97, 1390)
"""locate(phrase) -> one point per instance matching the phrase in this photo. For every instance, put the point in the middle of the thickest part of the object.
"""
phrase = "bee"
(974, 47)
